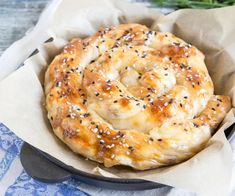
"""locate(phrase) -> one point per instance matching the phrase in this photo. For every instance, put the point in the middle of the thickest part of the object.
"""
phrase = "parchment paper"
(212, 31)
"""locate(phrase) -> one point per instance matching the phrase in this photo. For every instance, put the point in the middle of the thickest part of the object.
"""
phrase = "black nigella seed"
(171, 101)
(151, 139)
(131, 148)
(101, 141)
(86, 115)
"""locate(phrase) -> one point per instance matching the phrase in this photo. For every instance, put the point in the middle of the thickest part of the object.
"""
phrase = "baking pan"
(46, 168)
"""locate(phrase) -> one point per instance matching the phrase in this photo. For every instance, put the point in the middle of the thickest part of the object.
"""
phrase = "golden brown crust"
(131, 96)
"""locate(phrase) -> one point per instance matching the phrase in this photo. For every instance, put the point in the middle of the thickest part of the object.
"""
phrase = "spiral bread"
(131, 96)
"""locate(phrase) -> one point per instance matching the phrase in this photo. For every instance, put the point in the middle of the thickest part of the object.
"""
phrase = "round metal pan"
(46, 168)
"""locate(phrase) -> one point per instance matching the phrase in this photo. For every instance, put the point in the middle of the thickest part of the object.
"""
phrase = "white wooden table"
(16, 17)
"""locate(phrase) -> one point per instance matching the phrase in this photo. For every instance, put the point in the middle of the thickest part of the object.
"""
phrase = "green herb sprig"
(206, 4)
